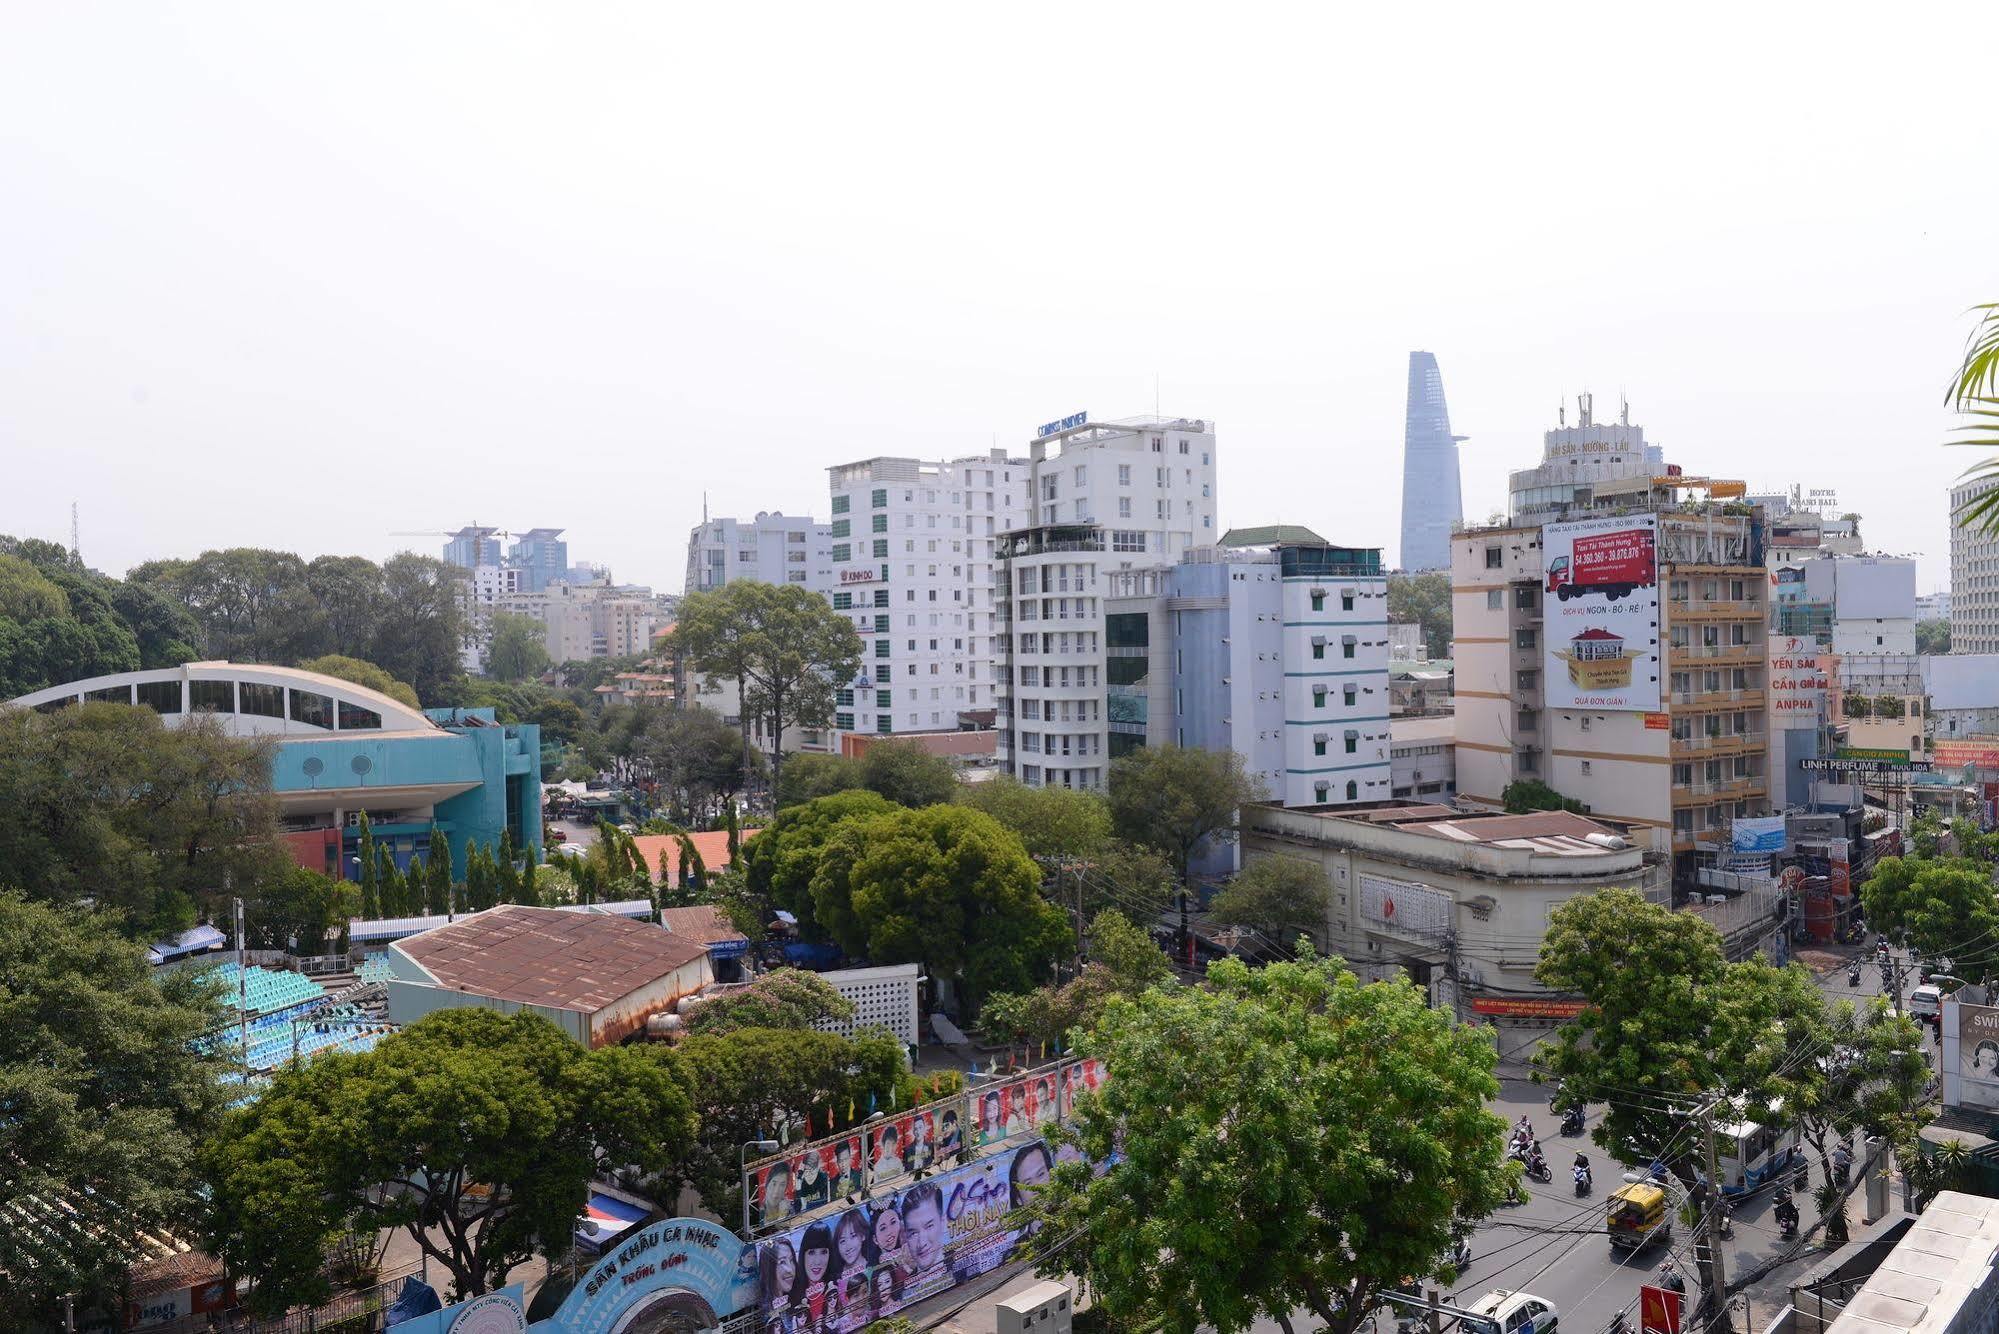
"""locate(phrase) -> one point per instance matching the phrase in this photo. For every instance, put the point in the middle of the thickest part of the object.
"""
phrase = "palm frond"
(1977, 379)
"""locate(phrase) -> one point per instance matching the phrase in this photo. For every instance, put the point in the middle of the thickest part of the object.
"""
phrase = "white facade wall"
(774, 548)
(1334, 644)
(1103, 496)
(912, 550)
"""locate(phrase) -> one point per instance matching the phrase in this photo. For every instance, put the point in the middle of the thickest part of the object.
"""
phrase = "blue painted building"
(343, 749)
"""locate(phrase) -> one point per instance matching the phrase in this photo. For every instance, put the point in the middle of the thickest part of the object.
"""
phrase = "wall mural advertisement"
(807, 1178)
(1601, 618)
(1971, 1051)
(868, 1262)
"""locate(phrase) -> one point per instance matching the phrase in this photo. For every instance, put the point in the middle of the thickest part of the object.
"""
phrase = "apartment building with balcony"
(1680, 773)
(773, 547)
(1100, 496)
(912, 563)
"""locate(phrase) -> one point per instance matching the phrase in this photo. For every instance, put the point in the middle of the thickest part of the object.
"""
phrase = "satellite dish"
(313, 766)
(361, 764)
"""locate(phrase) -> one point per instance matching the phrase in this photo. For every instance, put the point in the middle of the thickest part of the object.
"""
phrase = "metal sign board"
(1872, 766)
(1068, 423)
(1405, 909)
(1658, 1309)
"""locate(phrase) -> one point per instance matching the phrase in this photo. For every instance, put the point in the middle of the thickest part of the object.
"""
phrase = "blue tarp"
(417, 1298)
(192, 941)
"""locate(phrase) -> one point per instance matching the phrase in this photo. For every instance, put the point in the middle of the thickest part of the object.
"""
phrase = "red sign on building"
(1658, 1310)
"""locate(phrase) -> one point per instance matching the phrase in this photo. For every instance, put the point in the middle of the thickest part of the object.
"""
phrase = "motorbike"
(1572, 1121)
(1727, 1219)
(1669, 1277)
(1853, 976)
(1538, 1169)
(1582, 1176)
(1786, 1214)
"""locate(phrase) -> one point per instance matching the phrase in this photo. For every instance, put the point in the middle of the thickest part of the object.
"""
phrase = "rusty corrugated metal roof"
(543, 956)
(704, 924)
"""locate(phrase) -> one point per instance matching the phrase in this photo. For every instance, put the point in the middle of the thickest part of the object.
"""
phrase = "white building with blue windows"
(1273, 644)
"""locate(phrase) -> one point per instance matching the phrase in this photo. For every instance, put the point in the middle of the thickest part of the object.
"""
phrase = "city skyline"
(469, 288)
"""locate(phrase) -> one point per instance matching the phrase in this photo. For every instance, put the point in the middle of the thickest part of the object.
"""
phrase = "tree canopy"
(779, 863)
(1175, 798)
(1425, 600)
(1279, 898)
(1944, 909)
(106, 1099)
(944, 886)
(516, 647)
(781, 998)
(475, 1133)
(1523, 796)
(365, 674)
(900, 771)
(1314, 1147)
(784, 646)
(103, 803)
(60, 622)
(1052, 823)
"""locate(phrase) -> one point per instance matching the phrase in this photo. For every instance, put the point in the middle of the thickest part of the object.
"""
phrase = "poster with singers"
(867, 1262)
(811, 1178)
(1025, 1104)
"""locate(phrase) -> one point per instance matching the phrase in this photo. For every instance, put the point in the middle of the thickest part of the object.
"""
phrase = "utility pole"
(1714, 1279)
(242, 992)
(1186, 935)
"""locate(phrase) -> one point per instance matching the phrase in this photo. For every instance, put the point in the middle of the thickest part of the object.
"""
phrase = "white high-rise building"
(775, 548)
(911, 561)
(1100, 496)
(1974, 579)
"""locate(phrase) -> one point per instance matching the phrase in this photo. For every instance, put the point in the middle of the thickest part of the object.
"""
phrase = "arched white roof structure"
(248, 699)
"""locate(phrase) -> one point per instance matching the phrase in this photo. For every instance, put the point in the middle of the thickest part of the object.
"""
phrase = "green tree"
(1125, 962)
(107, 1096)
(437, 879)
(1425, 600)
(299, 910)
(506, 870)
(759, 1083)
(530, 873)
(780, 861)
(945, 886)
(1945, 909)
(1280, 898)
(1132, 957)
(1354, 1116)
(26, 594)
(907, 774)
(347, 592)
(809, 777)
(476, 1134)
(1523, 796)
(1667, 1019)
(1173, 799)
(365, 674)
(1974, 394)
(517, 647)
(781, 998)
(1933, 636)
(368, 874)
(734, 829)
(106, 805)
(253, 605)
(1837, 1067)
(1055, 824)
(783, 643)
(417, 638)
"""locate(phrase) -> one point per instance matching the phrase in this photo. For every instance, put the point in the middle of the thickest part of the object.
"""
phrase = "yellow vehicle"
(1638, 1215)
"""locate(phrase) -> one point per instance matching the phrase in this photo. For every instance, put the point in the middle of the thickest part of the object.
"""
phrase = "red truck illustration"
(1613, 564)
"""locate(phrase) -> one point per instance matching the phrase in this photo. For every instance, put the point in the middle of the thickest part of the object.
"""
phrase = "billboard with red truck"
(1614, 564)
(1601, 619)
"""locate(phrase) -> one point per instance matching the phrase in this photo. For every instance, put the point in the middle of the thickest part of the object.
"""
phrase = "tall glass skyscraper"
(1431, 502)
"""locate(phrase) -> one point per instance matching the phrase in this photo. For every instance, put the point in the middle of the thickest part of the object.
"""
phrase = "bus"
(1750, 1155)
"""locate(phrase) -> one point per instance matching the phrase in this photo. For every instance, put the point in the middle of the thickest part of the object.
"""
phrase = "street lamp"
(743, 1167)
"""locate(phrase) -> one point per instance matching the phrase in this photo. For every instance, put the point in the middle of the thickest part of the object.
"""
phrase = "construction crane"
(478, 533)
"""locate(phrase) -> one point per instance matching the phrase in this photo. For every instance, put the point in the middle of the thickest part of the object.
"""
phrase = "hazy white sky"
(297, 276)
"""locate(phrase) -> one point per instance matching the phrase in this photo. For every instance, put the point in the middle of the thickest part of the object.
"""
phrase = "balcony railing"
(1716, 652)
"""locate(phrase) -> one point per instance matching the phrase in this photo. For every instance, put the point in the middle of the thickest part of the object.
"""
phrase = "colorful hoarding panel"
(1601, 620)
(1758, 834)
(1523, 1007)
(679, 1274)
(870, 1261)
(1980, 752)
(1977, 1055)
(1796, 679)
(807, 1178)
(1015, 1106)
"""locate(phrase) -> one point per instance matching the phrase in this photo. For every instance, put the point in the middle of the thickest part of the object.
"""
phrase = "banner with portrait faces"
(805, 1179)
(867, 1262)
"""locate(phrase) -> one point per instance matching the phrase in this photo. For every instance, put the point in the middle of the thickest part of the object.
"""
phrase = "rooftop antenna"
(75, 546)
(704, 507)
(1155, 393)
(1585, 401)
(1623, 409)
(1562, 412)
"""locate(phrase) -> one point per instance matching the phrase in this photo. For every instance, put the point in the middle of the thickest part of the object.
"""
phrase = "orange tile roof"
(704, 924)
(662, 851)
(543, 956)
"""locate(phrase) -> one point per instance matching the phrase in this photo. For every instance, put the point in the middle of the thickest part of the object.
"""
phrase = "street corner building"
(342, 750)
(596, 976)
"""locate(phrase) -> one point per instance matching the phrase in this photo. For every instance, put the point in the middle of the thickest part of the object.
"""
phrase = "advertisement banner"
(1796, 679)
(870, 1261)
(1763, 833)
(911, 1142)
(1839, 876)
(1521, 1007)
(809, 1177)
(1979, 752)
(1658, 1309)
(1405, 909)
(1977, 1055)
(678, 1274)
(1601, 616)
